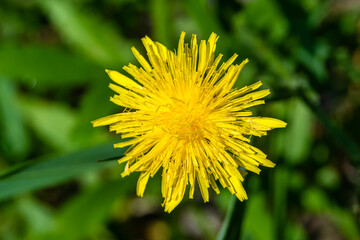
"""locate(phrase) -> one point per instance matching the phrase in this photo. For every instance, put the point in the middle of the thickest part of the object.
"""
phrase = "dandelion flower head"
(183, 118)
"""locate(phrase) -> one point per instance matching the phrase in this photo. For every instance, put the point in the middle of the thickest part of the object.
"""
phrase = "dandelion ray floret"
(183, 117)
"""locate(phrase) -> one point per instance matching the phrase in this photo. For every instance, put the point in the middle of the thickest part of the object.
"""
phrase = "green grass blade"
(56, 170)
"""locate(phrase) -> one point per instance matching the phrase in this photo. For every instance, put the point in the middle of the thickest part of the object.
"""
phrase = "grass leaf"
(55, 170)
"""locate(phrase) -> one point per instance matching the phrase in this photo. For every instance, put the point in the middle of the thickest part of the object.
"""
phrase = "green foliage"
(84, 214)
(51, 122)
(84, 31)
(299, 132)
(52, 84)
(14, 139)
(51, 171)
(46, 67)
(257, 216)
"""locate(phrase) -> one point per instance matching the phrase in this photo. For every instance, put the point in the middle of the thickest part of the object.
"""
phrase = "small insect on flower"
(182, 115)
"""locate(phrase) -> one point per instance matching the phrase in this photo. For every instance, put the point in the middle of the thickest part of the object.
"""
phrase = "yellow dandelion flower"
(182, 115)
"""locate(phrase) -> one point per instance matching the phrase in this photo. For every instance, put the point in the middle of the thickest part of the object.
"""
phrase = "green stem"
(231, 228)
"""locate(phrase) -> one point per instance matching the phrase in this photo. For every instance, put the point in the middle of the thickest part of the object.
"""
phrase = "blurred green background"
(52, 84)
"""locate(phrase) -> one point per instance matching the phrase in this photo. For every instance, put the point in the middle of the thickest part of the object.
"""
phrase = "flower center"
(184, 121)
